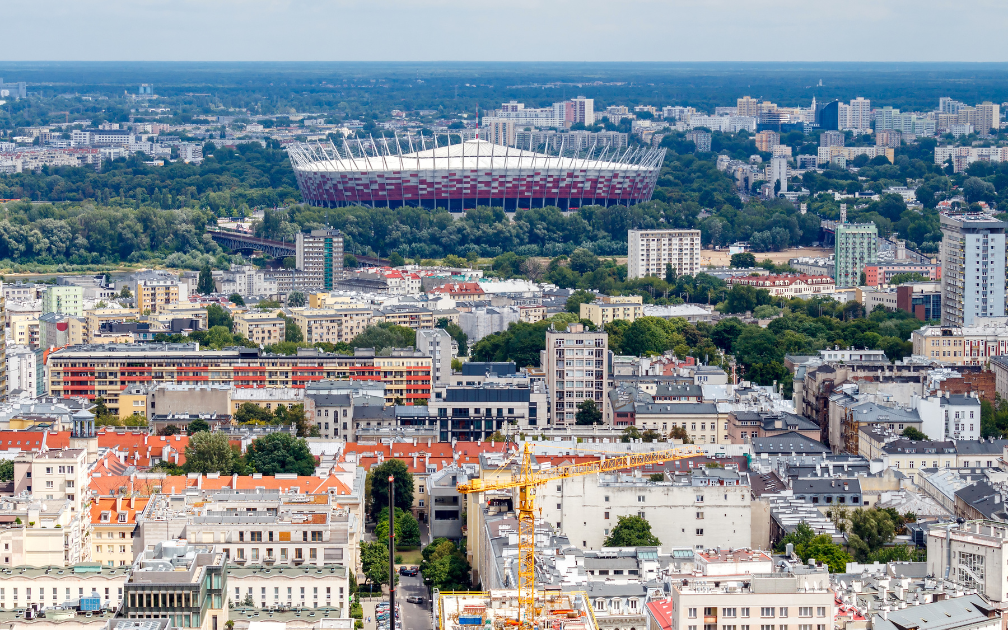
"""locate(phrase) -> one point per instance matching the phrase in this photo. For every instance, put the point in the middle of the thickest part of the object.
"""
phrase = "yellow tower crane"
(528, 478)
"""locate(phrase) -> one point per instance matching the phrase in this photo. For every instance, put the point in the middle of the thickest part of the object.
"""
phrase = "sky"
(510, 30)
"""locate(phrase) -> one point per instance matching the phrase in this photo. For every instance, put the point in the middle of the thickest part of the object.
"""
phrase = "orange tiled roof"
(32, 440)
(108, 485)
(140, 447)
(440, 454)
(108, 504)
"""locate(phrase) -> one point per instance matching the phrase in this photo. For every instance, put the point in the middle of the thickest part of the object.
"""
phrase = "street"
(414, 616)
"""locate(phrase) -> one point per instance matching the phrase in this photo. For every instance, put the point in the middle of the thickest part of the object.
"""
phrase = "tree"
(7, 470)
(125, 293)
(292, 332)
(350, 261)
(631, 531)
(236, 298)
(379, 485)
(744, 259)
(444, 566)
(217, 316)
(374, 561)
(679, 433)
(280, 452)
(578, 298)
(533, 269)
(396, 260)
(196, 426)
(169, 429)
(911, 433)
(588, 413)
(209, 452)
(295, 299)
(205, 284)
(409, 531)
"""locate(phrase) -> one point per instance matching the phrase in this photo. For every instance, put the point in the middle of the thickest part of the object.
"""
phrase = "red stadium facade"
(472, 173)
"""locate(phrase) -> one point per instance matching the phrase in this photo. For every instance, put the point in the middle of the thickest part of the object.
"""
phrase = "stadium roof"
(390, 155)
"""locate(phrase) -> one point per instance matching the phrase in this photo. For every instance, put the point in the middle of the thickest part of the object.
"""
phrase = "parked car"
(412, 571)
(403, 570)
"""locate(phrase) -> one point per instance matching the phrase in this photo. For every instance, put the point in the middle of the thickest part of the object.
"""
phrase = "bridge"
(236, 241)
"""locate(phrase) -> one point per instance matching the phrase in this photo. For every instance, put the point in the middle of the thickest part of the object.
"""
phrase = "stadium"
(473, 173)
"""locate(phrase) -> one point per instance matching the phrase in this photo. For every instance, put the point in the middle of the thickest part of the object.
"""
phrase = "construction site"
(500, 609)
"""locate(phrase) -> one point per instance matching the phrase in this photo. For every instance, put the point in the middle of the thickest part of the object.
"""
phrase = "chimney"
(118, 504)
(414, 461)
(426, 461)
(133, 502)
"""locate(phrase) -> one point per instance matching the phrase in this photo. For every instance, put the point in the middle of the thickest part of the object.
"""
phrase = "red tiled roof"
(440, 454)
(108, 504)
(140, 447)
(32, 440)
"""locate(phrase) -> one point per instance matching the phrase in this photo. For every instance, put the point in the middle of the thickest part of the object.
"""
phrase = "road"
(414, 616)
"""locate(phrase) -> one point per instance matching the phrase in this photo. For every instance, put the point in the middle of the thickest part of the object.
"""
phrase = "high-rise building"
(650, 251)
(153, 290)
(856, 246)
(766, 140)
(748, 107)
(973, 268)
(575, 361)
(859, 115)
(583, 110)
(779, 172)
(436, 343)
(988, 118)
(320, 258)
(831, 138)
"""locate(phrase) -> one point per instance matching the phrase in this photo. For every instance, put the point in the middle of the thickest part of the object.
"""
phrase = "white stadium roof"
(387, 154)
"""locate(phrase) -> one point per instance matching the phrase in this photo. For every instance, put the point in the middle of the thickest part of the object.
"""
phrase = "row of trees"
(271, 454)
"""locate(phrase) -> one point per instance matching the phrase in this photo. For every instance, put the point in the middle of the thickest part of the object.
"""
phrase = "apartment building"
(107, 370)
(152, 290)
(63, 299)
(531, 314)
(262, 328)
(407, 376)
(186, 584)
(95, 317)
(971, 345)
(988, 118)
(764, 602)
(651, 251)
(787, 285)
(319, 258)
(264, 585)
(23, 325)
(441, 348)
(973, 268)
(856, 246)
(684, 511)
(575, 369)
(332, 325)
(48, 587)
(113, 527)
(59, 476)
(609, 308)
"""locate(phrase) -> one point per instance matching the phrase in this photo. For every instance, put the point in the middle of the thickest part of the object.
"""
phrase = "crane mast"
(526, 479)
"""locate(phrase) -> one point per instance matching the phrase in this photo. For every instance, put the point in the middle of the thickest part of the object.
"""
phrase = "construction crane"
(526, 481)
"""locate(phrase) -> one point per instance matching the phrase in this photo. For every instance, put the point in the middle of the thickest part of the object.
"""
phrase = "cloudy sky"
(509, 30)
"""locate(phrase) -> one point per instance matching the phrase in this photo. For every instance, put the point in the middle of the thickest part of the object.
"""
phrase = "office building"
(186, 584)
(63, 299)
(476, 412)
(973, 268)
(748, 106)
(575, 361)
(856, 246)
(651, 251)
(320, 258)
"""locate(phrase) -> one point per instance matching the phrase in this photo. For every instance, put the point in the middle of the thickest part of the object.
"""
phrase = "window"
(699, 531)
(804, 611)
(767, 611)
(727, 612)
(255, 536)
(699, 498)
(820, 611)
(745, 613)
(783, 611)
(699, 515)
(607, 516)
(691, 613)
